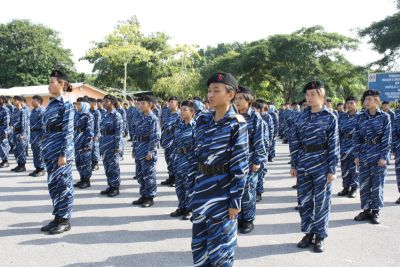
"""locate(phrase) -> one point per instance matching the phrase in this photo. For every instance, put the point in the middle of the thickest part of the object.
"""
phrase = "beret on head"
(351, 98)
(59, 75)
(18, 97)
(222, 77)
(243, 90)
(173, 98)
(385, 102)
(370, 92)
(147, 98)
(315, 84)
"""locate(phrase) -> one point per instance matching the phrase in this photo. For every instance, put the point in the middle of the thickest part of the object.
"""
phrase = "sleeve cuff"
(235, 203)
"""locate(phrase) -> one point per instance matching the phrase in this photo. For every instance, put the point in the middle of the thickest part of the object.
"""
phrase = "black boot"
(114, 191)
(39, 172)
(398, 201)
(187, 215)
(105, 192)
(4, 164)
(85, 183)
(167, 181)
(294, 186)
(352, 193)
(319, 244)
(344, 192)
(139, 201)
(172, 184)
(258, 197)
(50, 225)
(78, 183)
(62, 226)
(375, 217)
(270, 159)
(148, 202)
(364, 215)
(247, 227)
(19, 168)
(296, 208)
(179, 212)
(306, 241)
(33, 173)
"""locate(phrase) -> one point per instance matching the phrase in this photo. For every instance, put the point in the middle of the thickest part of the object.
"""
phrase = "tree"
(385, 38)
(28, 53)
(181, 84)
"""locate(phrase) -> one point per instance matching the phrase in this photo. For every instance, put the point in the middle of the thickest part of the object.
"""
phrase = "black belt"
(143, 138)
(313, 148)
(169, 131)
(77, 129)
(183, 150)
(54, 128)
(107, 132)
(35, 130)
(373, 141)
(212, 170)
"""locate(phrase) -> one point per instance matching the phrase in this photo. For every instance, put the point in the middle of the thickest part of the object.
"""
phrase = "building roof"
(41, 90)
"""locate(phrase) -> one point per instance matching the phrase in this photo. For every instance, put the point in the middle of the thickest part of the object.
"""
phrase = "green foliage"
(180, 84)
(28, 53)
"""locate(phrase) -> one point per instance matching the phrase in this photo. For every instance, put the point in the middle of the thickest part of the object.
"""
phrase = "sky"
(205, 22)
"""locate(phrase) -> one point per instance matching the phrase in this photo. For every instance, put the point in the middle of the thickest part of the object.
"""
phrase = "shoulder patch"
(239, 118)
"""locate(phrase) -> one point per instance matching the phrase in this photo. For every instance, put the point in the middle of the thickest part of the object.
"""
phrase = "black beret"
(351, 98)
(188, 103)
(385, 102)
(370, 92)
(173, 98)
(18, 97)
(59, 75)
(147, 98)
(243, 90)
(99, 100)
(82, 99)
(111, 98)
(315, 84)
(222, 77)
(329, 100)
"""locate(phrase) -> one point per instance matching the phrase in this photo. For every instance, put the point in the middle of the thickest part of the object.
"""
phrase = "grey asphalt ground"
(112, 232)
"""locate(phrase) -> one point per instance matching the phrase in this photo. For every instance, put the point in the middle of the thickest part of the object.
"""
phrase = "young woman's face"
(173, 104)
(144, 106)
(241, 102)
(218, 95)
(79, 106)
(107, 104)
(186, 113)
(351, 105)
(313, 98)
(55, 87)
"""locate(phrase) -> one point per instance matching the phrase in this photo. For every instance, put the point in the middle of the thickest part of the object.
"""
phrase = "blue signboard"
(388, 84)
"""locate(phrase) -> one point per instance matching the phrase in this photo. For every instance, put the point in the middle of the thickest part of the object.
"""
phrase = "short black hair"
(146, 98)
(19, 98)
(112, 98)
(38, 98)
(82, 99)
(91, 100)
(188, 103)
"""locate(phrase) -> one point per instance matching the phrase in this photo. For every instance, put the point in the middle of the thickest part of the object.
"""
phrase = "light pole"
(125, 66)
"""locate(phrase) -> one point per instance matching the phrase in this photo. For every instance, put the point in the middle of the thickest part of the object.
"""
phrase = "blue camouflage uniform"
(103, 112)
(396, 145)
(4, 133)
(221, 150)
(11, 109)
(258, 145)
(20, 124)
(132, 116)
(183, 159)
(111, 130)
(372, 142)
(124, 129)
(167, 136)
(145, 139)
(314, 146)
(37, 129)
(268, 128)
(96, 131)
(83, 141)
(347, 127)
(272, 146)
(58, 142)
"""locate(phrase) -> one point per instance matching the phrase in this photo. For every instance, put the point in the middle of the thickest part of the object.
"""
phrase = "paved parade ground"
(111, 232)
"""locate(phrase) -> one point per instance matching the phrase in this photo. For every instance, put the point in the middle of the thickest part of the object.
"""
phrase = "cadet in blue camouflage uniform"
(221, 151)
(144, 149)
(83, 142)
(58, 152)
(167, 134)
(37, 131)
(347, 127)
(119, 108)
(111, 130)
(100, 108)
(372, 143)
(20, 124)
(183, 158)
(96, 122)
(4, 132)
(275, 120)
(258, 145)
(314, 146)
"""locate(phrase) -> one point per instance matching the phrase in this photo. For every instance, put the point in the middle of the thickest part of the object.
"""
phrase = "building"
(79, 90)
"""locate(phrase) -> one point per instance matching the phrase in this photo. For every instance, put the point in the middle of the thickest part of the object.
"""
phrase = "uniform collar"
(323, 110)
(378, 112)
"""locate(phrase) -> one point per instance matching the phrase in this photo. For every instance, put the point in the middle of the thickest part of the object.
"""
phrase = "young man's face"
(144, 106)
